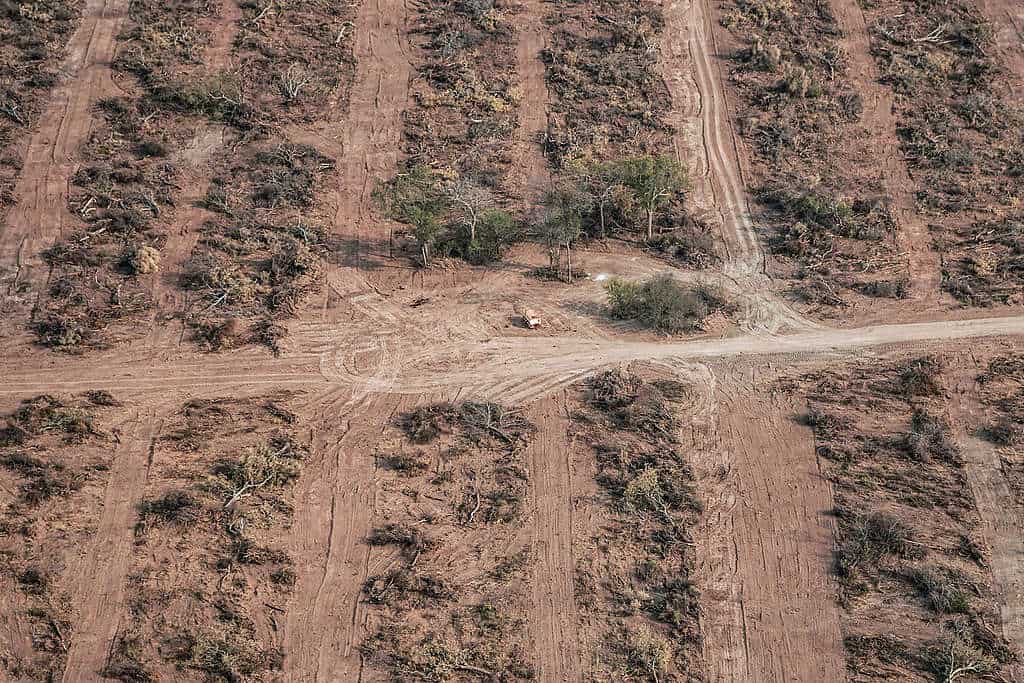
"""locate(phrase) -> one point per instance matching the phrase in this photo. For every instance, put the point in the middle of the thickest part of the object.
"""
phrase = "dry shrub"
(664, 304)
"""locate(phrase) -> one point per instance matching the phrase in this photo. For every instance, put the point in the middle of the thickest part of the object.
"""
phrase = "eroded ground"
(246, 437)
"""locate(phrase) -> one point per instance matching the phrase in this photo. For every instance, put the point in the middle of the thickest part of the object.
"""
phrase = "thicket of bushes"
(663, 304)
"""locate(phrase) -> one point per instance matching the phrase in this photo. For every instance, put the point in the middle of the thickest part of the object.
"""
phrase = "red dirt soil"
(766, 545)
(371, 348)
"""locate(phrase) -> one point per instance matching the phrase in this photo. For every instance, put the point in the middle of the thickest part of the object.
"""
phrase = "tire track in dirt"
(40, 210)
(99, 593)
(764, 547)
(1002, 519)
(704, 140)
(373, 131)
(879, 122)
(515, 366)
(531, 166)
(218, 55)
(326, 619)
(554, 617)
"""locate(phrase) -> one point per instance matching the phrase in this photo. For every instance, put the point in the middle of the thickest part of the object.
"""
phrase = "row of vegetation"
(822, 195)
(961, 134)
(608, 128)
(439, 619)
(463, 112)
(56, 451)
(463, 218)
(915, 588)
(207, 582)
(260, 249)
(636, 583)
(611, 185)
(124, 191)
(33, 40)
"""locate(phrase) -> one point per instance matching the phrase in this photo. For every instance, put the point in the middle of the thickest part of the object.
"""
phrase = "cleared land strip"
(41, 194)
(554, 616)
(100, 594)
(499, 360)
(770, 614)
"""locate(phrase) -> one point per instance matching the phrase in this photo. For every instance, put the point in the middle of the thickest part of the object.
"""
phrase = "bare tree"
(293, 81)
(471, 199)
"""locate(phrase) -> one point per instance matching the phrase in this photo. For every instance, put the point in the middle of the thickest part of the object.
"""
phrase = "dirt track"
(554, 618)
(325, 624)
(1002, 519)
(769, 611)
(40, 209)
(516, 368)
(101, 577)
(705, 140)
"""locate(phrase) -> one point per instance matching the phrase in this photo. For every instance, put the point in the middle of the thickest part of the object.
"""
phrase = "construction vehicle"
(528, 316)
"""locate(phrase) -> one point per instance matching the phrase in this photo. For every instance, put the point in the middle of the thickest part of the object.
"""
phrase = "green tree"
(496, 229)
(416, 198)
(597, 183)
(564, 207)
(652, 180)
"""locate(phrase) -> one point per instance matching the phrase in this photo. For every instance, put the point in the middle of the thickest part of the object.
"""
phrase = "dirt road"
(337, 491)
(40, 212)
(765, 546)
(508, 368)
(530, 164)
(706, 141)
(554, 616)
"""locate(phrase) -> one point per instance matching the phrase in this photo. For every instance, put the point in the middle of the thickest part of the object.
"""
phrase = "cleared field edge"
(40, 197)
(765, 545)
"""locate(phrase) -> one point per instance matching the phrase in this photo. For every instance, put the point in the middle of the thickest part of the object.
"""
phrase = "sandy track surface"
(765, 546)
(326, 621)
(337, 492)
(710, 146)
(40, 211)
(531, 166)
(554, 616)
(101, 577)
(513, 369)
(372, 139)
(1007, 17)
